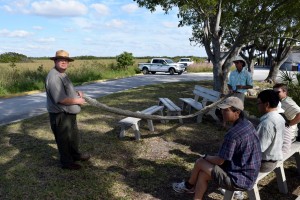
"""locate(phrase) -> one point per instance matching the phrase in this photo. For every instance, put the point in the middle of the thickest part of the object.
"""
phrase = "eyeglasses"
(62, 60)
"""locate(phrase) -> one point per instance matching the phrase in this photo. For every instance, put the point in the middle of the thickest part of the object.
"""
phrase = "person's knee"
(199, 162)
(202, 164)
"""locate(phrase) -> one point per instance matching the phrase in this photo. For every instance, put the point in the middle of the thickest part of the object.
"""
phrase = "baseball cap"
(232, 101)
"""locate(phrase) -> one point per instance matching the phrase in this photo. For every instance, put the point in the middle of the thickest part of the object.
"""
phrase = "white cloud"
(18, 6)
(7, 8)
(83, 23)
(59, 8)
(130, 8)
(101, 9)
(14, 34)
(170, 24)
(116, 23)
(46, 40)
(69, 29)
(37, 28)
(87, 39)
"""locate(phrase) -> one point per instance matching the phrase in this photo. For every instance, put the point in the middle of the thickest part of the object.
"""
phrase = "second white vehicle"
(162, 65)
(186, 61)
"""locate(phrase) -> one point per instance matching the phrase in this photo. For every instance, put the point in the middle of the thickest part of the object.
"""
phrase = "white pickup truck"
(162, 65)
(186, 61)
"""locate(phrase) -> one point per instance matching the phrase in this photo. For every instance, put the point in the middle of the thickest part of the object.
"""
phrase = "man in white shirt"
(291, 110)
(270, 129)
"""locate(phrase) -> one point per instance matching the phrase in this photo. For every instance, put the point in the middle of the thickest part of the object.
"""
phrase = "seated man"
(291, 112)
(237, 164)
(239, 80)
(270, 129)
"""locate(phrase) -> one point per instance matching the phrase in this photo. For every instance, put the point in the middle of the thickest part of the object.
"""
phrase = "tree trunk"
(283, 50)
(271, 78)
(218, 77)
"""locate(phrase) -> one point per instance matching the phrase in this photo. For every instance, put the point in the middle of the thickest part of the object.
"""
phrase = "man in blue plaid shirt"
(237, 164)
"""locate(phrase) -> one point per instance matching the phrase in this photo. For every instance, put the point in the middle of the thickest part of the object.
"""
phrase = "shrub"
(288, 79)
(125, 60)
(12, 57)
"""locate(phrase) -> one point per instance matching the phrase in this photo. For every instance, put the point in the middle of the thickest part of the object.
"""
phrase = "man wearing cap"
(237, 164)
(63, 103)
(240, 80)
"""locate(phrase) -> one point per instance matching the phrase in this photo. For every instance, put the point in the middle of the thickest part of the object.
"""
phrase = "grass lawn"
(120, 168)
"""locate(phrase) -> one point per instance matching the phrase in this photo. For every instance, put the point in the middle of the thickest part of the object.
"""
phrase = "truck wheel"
(179, 73)
(172, 71)
(153, 72)
(145, 70)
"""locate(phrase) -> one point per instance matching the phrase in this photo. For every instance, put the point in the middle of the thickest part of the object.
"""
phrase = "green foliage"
(12, 57)
(298, 78)
(125, 60)
(294, 92)
(286, 77)
(293, 87)
(13, 80)
(86, 58)
(232, 24)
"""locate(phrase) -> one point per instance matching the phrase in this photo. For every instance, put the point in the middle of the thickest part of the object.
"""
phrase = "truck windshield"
(169, 61)
(183, 60)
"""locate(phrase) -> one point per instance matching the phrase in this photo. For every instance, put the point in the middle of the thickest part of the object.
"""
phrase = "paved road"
(19, 108)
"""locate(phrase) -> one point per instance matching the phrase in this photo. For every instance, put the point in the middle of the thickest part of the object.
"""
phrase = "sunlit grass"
(120, 169)
(200, 67)
(24, 77)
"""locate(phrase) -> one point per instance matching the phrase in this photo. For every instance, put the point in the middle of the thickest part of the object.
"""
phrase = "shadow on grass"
(30, 167)
(119, 168)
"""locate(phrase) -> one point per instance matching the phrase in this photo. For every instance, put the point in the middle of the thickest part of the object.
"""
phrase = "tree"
(12, 57)
(220, 25)
(125, 60)
(286, 36)
(278, 40)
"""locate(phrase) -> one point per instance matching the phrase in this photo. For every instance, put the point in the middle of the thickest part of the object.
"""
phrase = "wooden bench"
(134, 122)
(206, 95)
(280, 175)
(172, 108)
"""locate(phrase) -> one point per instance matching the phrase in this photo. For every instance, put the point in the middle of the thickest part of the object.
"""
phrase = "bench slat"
(207, 95)
(152, 109)
(172, 108)
(195, 104)
(169, 104)
(134, 122)
(209, 91)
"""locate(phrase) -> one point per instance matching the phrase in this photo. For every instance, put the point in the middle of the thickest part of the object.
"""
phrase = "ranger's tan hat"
(238, 58)
(62, 54)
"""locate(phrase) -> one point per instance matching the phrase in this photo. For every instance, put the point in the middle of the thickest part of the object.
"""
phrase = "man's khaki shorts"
(221, 178)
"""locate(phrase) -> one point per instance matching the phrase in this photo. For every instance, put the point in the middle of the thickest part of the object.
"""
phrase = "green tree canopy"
(13, 57)
(223, 27)
(125, 60)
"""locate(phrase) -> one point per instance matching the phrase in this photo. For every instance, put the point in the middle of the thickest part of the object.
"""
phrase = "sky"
(87, 27)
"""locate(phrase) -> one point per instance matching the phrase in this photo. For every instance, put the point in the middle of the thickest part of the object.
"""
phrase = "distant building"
(292, 62)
